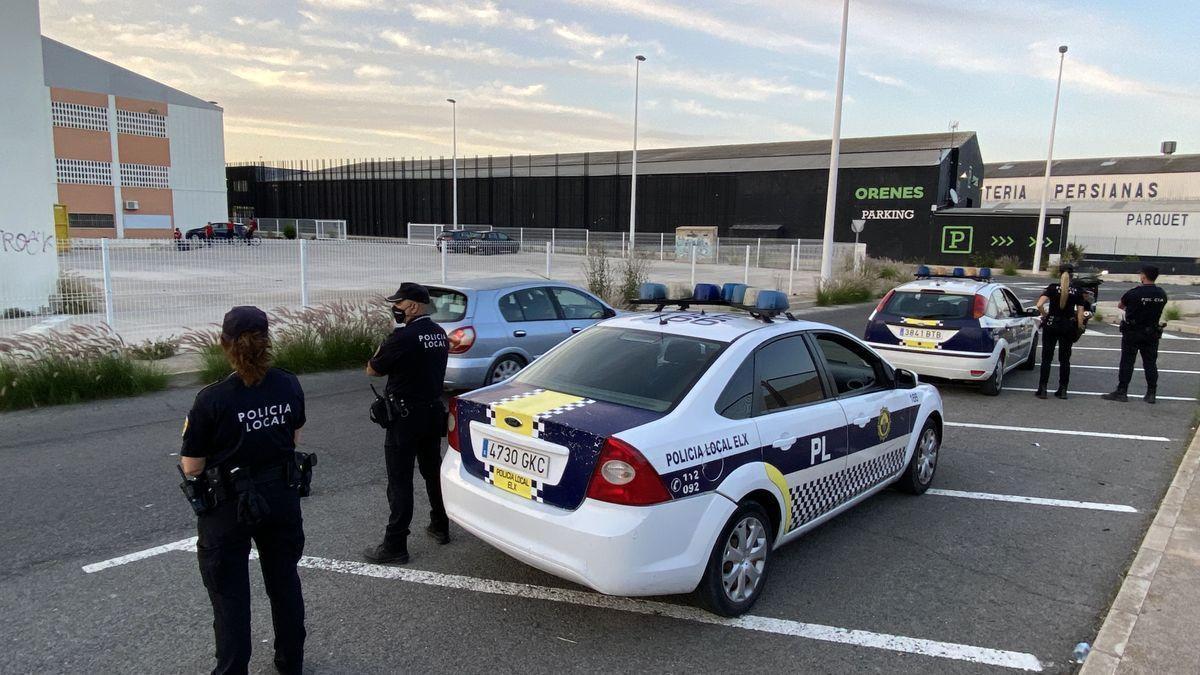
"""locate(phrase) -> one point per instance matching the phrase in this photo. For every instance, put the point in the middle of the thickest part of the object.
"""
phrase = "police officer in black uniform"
(239, 439)
(1140, 333)
(1062, 306)
(413, 358)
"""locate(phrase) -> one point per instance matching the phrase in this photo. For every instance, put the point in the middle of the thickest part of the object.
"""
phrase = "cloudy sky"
(303, 79)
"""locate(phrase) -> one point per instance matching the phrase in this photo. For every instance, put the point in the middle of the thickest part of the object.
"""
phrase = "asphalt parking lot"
(1015, 556)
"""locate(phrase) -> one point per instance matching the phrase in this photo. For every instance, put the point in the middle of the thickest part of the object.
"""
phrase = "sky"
(325, 79)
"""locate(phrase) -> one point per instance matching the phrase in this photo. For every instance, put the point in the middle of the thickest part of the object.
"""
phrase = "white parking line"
(762, 624)
(1166, 336)
(1117, 349)
(1161, 370)
(1064, 432)
(1101, 393)
(1039, 501)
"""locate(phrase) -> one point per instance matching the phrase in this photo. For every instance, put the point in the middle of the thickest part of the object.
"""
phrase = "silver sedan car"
(498, 326)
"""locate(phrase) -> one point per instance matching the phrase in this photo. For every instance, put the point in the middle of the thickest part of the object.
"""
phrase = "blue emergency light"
(772, 301)
(733, 293)
(652, 291)
(706, 293)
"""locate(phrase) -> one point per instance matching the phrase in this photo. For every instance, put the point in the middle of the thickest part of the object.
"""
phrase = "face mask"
(398, 314)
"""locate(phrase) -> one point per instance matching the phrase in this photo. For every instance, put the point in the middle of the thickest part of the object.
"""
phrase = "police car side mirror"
(906, 379)
(1032, 311)
(609, 312)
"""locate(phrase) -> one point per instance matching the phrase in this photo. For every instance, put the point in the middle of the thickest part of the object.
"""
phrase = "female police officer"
(241, 436)
(1062, 307)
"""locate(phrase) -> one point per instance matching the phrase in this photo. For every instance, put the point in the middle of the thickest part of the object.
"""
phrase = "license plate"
(518, 459)
(511, 481)
(920, 333)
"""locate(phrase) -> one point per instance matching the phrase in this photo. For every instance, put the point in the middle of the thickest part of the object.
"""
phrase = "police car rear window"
(447, 306)
(929, 305)
(642, 369)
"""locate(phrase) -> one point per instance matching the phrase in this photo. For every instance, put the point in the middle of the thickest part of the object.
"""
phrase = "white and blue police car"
(671, 451)
(955, 324)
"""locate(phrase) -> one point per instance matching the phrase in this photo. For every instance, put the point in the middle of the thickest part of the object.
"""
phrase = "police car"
(955, 324)
(671, 451)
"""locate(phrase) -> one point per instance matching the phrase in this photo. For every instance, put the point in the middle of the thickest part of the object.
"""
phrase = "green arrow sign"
(1033, 242)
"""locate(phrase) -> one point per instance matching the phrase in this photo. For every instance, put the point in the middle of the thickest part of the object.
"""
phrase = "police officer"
(1062, 306)
(1140, 333)
(240, 435)
(413, 358)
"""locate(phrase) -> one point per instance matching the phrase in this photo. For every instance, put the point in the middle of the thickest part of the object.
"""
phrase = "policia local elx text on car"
(243, 480)
(413, 358)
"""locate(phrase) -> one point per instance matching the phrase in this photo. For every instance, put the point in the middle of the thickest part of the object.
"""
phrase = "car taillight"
(883, 301)
(452, 425)
(623, 476)
(461, 339)
(980, 307)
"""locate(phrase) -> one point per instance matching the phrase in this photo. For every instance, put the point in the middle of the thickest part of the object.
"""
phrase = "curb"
(1127, 607)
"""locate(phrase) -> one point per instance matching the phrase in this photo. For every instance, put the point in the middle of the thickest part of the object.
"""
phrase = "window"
(528, 304)
(90, 220)
(929, 305)
(576, 305)
(786, 375)
(145, 175)
(83, 172)
(79, 116)
(141, 124)
(737, 399)
(852, 367)
(641, 369)
(448, 306)
(997, 307)
(1013, 303)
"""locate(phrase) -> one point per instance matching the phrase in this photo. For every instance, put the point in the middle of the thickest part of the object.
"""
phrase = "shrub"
(598, 271)
(1010, 264)
(76, 295)
(83, 364)
(635, 271)
(155, 350)
(1174, 312)
(289, 231)
(845, 291)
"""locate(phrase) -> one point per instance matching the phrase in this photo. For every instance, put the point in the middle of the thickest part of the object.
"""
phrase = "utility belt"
(217, 484)
(389, 410)
(1141, 330)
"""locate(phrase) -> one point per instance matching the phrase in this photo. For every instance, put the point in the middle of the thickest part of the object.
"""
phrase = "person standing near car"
(239, 442)
(414, 359)
(1061, 306)
(1140, 333)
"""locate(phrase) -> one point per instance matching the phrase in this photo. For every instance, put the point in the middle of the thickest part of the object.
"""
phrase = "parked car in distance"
(213, 231)
(497, 326)
(457, 241)
(491, 243)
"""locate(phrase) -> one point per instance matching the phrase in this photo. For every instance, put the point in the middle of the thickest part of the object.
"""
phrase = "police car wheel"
(1031, 360)
(919, 475)
(739, 563)
(504, 368)
(995, 383)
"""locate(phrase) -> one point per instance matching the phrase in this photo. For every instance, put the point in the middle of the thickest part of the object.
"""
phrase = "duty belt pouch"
(198, 492)
(300, 473)
(252, 508)
(386, 410)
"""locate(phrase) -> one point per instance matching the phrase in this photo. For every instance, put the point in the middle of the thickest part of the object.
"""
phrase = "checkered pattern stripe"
(535, 487)
(539, 424)
(815, 498)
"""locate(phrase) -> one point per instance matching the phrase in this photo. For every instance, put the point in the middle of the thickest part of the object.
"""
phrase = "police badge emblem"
(885, 424)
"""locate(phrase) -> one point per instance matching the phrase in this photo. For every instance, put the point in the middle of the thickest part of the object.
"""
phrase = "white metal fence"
(156, 288)
(1139, 246)
(313, 228)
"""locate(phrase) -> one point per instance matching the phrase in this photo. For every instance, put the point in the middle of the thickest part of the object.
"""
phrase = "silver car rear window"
(447, 306)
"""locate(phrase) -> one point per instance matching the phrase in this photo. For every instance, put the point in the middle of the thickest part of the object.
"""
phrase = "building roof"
(70, 68)
(869, 152)
(1095, 166)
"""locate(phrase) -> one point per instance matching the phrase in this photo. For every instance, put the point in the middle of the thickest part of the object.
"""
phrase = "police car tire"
(711, 591)
(995, 382)
(910, 481)
(1031, 361)
(491, 374)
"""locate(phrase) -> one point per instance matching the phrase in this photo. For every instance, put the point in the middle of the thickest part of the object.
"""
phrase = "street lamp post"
(834, 150)
(454, 157)
(637, 71)
(1041, 224)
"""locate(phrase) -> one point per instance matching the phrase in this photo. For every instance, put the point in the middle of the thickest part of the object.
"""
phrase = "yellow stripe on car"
(517, 415)
(776, 477)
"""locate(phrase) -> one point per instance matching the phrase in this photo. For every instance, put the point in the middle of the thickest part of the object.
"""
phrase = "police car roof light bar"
(975, 273)
(761, 304)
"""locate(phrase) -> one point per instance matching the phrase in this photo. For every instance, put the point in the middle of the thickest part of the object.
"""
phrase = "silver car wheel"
(505, 369)
(927, 452)
(744, 559)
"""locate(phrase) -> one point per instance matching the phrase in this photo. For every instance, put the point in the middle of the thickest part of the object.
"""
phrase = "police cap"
(410, 291)
(243, 319)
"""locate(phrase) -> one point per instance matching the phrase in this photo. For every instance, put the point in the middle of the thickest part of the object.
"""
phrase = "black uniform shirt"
(1144, 305)
(414, 359)
(1074, 299)
(250, 427)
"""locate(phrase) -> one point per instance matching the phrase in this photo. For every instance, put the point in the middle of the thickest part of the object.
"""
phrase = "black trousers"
(1133, 344)
(1050, 340)
(224, 550)
(412, 440)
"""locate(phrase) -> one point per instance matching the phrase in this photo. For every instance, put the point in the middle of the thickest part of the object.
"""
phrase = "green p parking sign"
(958, 238)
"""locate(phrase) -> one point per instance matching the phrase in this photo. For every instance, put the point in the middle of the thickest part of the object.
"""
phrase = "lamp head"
(1062, 49)
(639, 57)
(450, 100)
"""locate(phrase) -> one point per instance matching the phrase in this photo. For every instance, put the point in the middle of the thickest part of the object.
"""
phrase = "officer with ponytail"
(241, 477)
(1062, 306)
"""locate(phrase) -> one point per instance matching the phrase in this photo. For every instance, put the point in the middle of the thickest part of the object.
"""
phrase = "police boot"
(1041, 391)
(1150, 395)
(1118, 395)
(1061, 392)
(442, 537)
(384, 554)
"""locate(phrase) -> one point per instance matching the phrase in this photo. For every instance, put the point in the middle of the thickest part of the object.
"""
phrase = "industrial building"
(767, 190)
